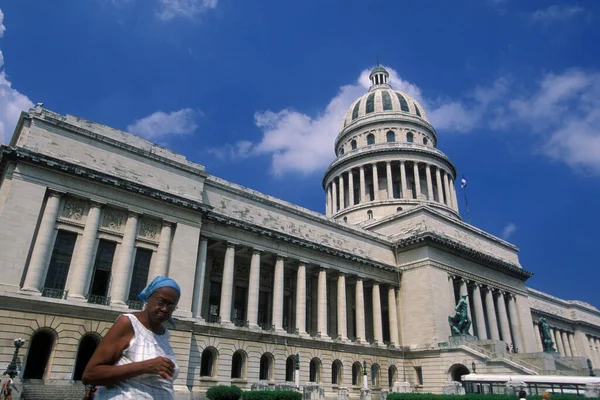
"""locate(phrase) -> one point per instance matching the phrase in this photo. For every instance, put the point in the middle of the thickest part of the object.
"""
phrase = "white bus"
(536, 384)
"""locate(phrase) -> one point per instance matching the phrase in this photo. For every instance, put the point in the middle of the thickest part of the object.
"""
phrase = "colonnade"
(82, 263)
(564, 341)
(594, 343)
(412, 180)
(493, 312)
(340, 312)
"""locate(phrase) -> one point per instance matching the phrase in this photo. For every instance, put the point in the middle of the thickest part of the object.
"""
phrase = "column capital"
(97, 204)
(279, 257)
(167, 224)
(55, 193)
(230, 243)
(131, 213)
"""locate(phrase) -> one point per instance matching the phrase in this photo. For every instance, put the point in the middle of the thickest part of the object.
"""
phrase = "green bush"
(223, 392)
(472, 396)
(272, 395)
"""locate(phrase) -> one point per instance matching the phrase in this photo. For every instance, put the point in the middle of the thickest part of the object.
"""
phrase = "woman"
(8, 387)
(134, 359)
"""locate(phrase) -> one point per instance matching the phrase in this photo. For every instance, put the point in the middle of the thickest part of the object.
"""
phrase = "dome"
(381, 99)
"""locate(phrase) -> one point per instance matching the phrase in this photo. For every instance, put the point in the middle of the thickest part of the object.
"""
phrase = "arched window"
(341, 151)
(398, 209)
(355, 110)
(356, 373)
(370, 103)
(392, 373)
(266, 372)
(353, 144)
(386, 100)
(369, 214)
(417, 110)
(238, 362)
(390, 137)
(208, 362)
(290, 365)
(345, 219)
(425, 141)
(314, 373)
(375, 375)
(403, 103)
(87, 346)
(336, 372)
(370, 138)
(40, 348)
(410, 137)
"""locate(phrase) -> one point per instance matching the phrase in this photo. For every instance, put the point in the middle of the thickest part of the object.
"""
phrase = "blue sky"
(254, 90)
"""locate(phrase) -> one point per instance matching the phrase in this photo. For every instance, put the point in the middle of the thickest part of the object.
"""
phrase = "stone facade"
(89, 214)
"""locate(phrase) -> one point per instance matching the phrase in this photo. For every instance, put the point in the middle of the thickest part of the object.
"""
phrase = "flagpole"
(467, 205)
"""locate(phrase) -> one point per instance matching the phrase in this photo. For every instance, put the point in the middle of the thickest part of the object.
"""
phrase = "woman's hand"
(160, 366)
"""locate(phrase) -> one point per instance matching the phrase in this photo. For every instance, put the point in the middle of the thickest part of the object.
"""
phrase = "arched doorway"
(208, 361)
(290, 365)
(86, 348)
(265, 372)
(40, 348)
(314, 372)
(457, 371)
(237, 365)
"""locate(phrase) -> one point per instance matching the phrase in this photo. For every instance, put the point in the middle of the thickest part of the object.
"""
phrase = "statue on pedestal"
(547, 343)
(460, 321)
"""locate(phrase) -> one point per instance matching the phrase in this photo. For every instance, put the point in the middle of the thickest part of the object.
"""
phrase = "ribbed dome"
(380, 100)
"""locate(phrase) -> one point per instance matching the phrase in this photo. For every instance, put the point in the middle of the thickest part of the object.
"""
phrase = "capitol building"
(89, 214)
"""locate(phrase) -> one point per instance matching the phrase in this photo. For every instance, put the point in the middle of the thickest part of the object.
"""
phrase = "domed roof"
(382, 99)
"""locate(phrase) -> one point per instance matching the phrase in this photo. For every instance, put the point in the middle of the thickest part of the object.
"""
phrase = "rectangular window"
(214, 300)
(419, 373)
(139, 278)
(263, 309)
(102, 270)
(239, 306)
(58, 269)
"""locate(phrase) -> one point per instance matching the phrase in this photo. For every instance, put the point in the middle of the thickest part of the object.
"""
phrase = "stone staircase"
(36, 391)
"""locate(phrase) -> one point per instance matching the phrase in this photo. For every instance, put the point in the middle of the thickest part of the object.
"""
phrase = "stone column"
(438, 181)
(342, 325)
(393, 315)
(82, 266)
(43, 244)
(452, 299)
(253, 289)
(572, 345)
(583, 345)
(565, 341)
(227, 285)
(403, 180)
(491, 314)
(342, 192)
(596, 352)
(334, 208)
(164, 250)
(328, 201)
(447, 190)
(375, 182)
(453, 193)
(464, 291)
(361, 172)
(429, 182)
(554, 339)
(559, 342)
(388, 173)
(504, 327)
(538, 337)
(121, 275)
(479, 316)
(278, 283)
(359, 320)
(199, 278)
(514, 323)
(322, 304)
(418, 195)
(301, 299)
(377, 324)
(350, 188)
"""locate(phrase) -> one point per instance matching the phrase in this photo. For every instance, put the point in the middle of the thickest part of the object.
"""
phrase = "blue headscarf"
(157, 283)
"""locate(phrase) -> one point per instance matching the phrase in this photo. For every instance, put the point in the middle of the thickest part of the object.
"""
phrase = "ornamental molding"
(24, 155)
(397, 117)
(73, 209)
(149, 229)
(113, 220)
(459, 273)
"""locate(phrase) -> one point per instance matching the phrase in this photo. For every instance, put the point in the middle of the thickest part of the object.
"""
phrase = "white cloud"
(240, 150)
(159, 124)
(170, 9)
(556, 13)
(11, 101)
(508, 231)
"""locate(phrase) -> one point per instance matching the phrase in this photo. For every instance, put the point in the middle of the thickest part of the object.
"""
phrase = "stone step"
(52, 392)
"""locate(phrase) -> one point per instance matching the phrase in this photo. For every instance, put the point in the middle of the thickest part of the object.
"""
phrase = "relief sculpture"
(73, 209)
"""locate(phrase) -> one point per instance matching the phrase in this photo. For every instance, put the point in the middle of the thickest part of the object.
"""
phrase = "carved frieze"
(73, 209)
(242, 271)
(217, 268)
(149, 229)
(113, 219)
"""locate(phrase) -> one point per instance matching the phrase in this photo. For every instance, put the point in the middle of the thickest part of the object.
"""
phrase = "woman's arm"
(101, 370)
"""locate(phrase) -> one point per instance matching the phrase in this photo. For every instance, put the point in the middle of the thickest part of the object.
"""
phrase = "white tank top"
(144, 345)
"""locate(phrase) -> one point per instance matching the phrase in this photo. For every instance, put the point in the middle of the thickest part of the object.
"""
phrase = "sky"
(255, 91)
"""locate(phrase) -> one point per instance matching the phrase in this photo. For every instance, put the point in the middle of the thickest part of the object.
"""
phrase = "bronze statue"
(460, 321)
(547, 343)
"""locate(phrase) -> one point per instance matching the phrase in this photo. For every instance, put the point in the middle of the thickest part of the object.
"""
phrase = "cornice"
(20, 154)
(494, 262)
(572, 322)
(572, 304)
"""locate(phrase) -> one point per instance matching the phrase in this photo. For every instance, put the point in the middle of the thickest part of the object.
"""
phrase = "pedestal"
(592, 390)
(259, 386)
(383, 394)
(343, 394)
(313, 391)
(453, 387)
(365, 394)
(401, 387)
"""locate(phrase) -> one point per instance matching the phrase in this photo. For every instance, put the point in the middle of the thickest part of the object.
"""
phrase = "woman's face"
(162, 303)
